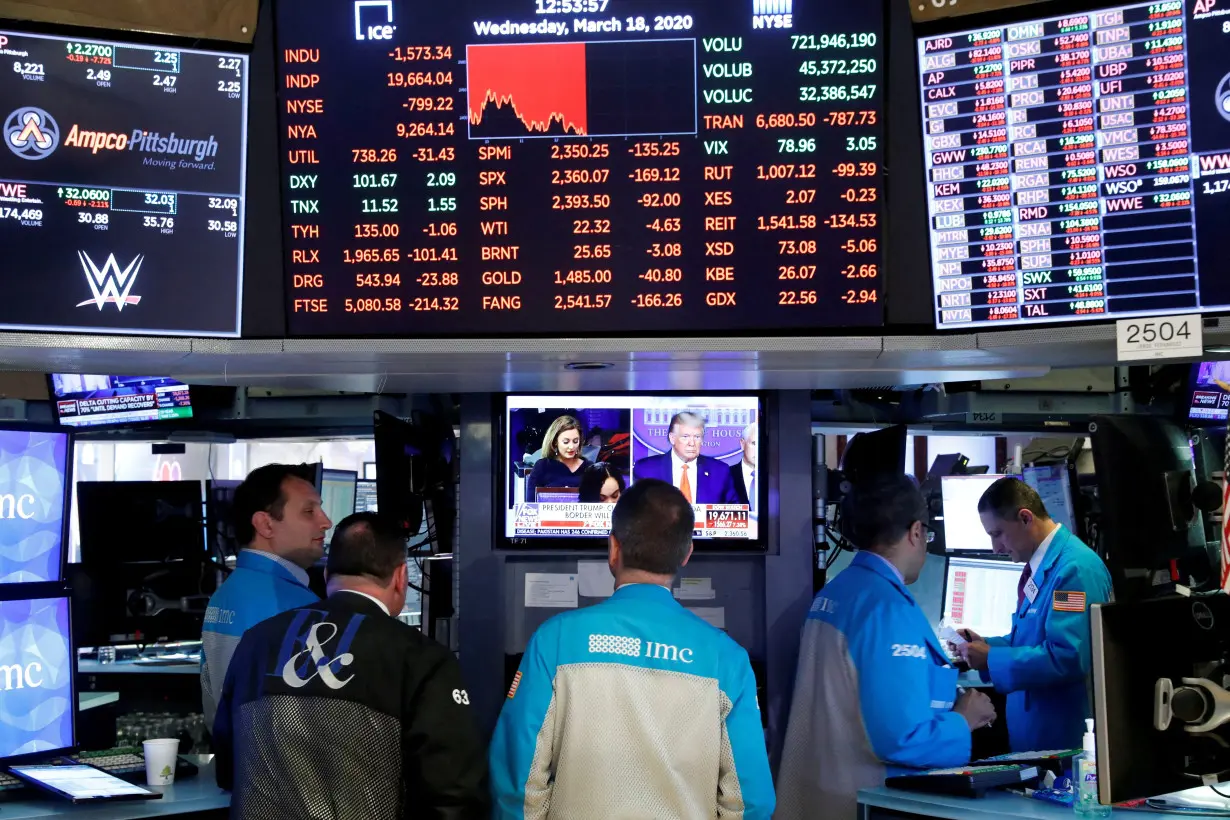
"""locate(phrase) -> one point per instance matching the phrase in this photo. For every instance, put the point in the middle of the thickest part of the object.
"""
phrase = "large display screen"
(569, 458)
(37, 701)
(1078, 165)
(90, 400)
(581, 166)
(121, 186)
(1210, 392)
(33, 482)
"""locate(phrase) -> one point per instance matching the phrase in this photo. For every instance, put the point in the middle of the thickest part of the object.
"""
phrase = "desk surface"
(89, 667)
(200, 793)
(995, 806)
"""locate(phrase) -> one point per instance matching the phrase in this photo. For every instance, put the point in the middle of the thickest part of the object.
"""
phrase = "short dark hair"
(653, 523)
(262, 491)
(366, 543)
(1008, 496)
(881, 511)
(594, 477)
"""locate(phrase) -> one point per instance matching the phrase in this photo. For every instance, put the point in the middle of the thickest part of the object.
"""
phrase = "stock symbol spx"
(1078, 166)
(581, 166)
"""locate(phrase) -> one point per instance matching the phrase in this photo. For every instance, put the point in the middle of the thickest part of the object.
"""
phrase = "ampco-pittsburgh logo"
(110, 284)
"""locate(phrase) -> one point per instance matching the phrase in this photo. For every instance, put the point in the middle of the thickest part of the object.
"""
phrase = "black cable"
(1219, 793)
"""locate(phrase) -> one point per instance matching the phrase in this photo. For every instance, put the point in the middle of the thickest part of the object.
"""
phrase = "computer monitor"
(337, 497)
(963, 531)
(981, 594)
(128, 521)
(365, 496)
(1209, 393)
(1159, 668)
(38, 672)
(141, 603)
(869, 456)
(1147, 482)
(1053, 483)
(220, 517)
(89, 401)
(34, 480)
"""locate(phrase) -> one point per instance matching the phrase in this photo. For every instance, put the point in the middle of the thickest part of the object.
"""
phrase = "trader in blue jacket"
(277, 513)
(1043, 663)
(874, 694)
(634, 707)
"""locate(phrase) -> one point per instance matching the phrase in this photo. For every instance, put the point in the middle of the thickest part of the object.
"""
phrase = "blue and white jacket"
(259, 588)
(632, 708)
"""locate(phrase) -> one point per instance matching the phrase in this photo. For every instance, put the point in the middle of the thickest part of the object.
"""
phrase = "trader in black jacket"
(338, 710)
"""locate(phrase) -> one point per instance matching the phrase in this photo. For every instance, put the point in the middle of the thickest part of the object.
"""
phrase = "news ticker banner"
(594, 520)
(33, 467)
(121, 186)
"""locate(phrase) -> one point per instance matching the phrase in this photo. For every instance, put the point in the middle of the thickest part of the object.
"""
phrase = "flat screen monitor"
(38, 669)
(573, 168)
(981, 595)
(139, 521)
(89, 401)
(963, 531)
(34, 481)
(337, 497)
(566, 458)
(365, 496)
(220, 517)
(122, 186)
(1210, 393)
(1053, 483)
(1077, 163)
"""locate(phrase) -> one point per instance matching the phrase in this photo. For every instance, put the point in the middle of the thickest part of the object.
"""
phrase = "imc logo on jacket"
(319, 650)
(636, 648)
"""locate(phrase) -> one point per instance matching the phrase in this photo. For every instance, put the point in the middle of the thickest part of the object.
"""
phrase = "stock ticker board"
(121, 186)
(1078, 167)
(581, 166)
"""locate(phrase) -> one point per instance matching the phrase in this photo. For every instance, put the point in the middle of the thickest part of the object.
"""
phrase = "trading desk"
(197, 797)
(884, 803)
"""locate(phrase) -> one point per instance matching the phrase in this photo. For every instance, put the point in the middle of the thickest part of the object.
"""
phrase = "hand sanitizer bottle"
(1086, 773)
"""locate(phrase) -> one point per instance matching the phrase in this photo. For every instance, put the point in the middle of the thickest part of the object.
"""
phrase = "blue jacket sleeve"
(896, 693)
(1063, 655)
(748, 766)
(521, 756)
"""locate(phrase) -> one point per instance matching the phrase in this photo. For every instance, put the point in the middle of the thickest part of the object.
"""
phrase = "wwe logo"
(110, 285)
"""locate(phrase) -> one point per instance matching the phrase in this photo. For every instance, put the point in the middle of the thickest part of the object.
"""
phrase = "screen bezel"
(499, 451)
(21, 592)
(112, 425)
(69, 488)
(16, 770)
(998, 17)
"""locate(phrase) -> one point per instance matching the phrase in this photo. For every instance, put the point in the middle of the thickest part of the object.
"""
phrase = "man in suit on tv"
(743, 474)
(701, 479)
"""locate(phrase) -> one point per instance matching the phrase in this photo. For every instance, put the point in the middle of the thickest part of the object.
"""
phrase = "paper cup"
(160, 756)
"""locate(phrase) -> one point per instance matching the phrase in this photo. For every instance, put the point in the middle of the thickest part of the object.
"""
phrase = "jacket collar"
(873, 563)
(643, 592)
(355, 602)
(269, 564)
(1057, 545)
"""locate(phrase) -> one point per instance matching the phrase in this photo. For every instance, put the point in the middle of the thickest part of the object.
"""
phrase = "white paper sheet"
(695, 589)
(550, 589)
(595, 580)
(712, 615)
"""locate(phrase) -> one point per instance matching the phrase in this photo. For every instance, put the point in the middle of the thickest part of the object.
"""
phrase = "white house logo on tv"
(13, 507)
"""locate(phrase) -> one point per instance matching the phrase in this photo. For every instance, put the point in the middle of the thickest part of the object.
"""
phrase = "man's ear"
(612, 550)
(262, 523)
(688, 557)
(401, 576)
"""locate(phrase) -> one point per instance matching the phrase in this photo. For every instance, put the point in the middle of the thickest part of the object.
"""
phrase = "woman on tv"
(601, 483)
(561, 464)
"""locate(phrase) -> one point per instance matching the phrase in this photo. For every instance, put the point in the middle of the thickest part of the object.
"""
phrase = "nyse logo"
(364, 30)
(110, 284)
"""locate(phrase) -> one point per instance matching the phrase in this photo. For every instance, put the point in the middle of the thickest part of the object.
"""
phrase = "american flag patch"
(512, 690)
(1068, 601)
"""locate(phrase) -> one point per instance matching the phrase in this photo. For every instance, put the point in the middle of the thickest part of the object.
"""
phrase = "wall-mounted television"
(92, 400)
(34, 477)
(564, 460)
(1209, 396)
